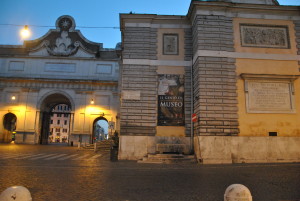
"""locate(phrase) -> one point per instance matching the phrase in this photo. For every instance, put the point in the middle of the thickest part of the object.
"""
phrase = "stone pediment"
(64, 41)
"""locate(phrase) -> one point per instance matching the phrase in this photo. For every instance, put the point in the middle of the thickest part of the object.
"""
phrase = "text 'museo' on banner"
(170, 100)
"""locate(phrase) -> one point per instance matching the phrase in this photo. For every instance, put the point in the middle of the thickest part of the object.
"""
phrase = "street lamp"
(25, 32)
(13, 98)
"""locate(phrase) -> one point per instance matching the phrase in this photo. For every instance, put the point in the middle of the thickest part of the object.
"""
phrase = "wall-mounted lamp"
(13, 98)
(92, 102)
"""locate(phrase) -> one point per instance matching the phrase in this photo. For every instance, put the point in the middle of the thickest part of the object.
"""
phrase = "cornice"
(235, 9)
(78, 88)
(246, 76)
(55, 82)
(151, 20)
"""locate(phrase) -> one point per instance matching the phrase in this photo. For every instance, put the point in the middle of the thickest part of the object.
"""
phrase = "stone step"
(88, 146)
(168, 158)
(104, 142)
(104, 146)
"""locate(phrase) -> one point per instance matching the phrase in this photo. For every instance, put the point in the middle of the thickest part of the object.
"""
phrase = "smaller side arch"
(100, 129)
(9, 126)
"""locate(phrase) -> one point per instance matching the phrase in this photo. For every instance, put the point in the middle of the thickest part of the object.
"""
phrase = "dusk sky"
(40, 16)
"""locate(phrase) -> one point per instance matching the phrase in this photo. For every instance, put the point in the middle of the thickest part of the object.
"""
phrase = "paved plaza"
(61, 173)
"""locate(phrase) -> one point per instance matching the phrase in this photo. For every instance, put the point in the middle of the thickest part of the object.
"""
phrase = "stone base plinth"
(136, 147)
(235, 149)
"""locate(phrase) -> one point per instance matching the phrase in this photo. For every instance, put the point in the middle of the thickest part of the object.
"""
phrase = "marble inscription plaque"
(104, 69)
(131, 95)
(269, 97)
(267, 36)
(16, 66)
(60, 67)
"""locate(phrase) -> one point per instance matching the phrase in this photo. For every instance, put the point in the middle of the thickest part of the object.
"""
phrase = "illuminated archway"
(9, 125)
(47, 104)
(100, 129)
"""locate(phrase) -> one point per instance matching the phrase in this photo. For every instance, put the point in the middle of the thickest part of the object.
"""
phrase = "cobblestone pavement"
(94, 178)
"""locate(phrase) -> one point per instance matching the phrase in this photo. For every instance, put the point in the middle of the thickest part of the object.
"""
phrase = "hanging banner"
(170, 100)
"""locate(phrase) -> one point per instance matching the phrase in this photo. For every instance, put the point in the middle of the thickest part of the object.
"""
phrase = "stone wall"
(213, 33)
(188, 45)
(187, 87)
(139, 43)
(234, 149)
(136, 147)
(214, 78)
(138, 117)
(297, 30)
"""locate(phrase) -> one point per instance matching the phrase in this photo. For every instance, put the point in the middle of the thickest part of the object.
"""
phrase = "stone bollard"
(237, 192)
(16, 193)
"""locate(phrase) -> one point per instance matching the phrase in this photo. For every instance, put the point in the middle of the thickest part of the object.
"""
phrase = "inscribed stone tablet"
(131, 95)
(269, 97)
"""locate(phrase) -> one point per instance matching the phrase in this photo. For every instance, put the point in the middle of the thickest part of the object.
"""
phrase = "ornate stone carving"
(64, 46)
(267, 36)
(170, 44)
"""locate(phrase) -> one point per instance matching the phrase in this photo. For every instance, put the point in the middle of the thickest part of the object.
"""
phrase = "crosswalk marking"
(30, 156)
(94, 157)
(81, 157)
(64, 158)
(53, 157)
(39, 157)
(13, 156)
(10, 156)
(48, 157)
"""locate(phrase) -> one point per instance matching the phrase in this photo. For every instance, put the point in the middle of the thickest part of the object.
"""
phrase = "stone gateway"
(60, 68)
(232, 64)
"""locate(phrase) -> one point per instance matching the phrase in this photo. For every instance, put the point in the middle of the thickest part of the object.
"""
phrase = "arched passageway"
(10, 125)
(56, 106)
(100, 129)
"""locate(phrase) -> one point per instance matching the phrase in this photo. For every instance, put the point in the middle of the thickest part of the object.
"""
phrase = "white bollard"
(16, 193)
(237, 192)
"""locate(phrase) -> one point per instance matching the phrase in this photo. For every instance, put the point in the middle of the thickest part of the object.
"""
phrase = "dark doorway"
(10, 125)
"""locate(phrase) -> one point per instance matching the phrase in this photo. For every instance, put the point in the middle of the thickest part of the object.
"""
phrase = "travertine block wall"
(214, 77)
(138, 117)
(297, 30)
(188, 55)
(213, 33)
(188, 44)
(139, 43)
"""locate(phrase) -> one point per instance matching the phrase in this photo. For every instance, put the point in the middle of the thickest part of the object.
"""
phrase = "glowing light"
(92, 102)
(13, 98)
(25, 33)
